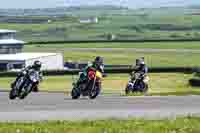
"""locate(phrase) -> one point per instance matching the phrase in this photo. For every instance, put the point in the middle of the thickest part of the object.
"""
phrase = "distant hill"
(194, 6)
(95, 10)
(101, 7)
(56, 11)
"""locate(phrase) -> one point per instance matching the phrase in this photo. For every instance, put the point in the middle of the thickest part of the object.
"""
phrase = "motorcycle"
(24, 85)
(91, 88)
(138, 84)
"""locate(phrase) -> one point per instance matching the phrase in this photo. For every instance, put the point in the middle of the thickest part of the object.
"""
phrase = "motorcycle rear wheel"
(146, 89)
(75, 93)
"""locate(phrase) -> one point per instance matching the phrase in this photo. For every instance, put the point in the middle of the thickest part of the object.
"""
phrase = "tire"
(146, 89)
(25, 93)
(75, 93)
(127, 90)
(12, 94)
(95, 93)
(35, 89)
(141, 86)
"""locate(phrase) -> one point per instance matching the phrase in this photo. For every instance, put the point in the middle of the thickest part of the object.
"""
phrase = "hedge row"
(122, 41)
(111, 71)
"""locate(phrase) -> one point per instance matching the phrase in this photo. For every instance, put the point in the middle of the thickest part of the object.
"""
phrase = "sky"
(127, 3)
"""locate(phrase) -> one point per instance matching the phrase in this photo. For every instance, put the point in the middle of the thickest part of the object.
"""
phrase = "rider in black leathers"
(36, 67)
(140, 67)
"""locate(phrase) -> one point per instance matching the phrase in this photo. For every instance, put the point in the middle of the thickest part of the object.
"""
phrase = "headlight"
(24, 72)
(34, 80)
(32, 77)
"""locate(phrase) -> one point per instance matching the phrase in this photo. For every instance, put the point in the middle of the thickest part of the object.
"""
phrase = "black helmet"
(37, 65)
(98, 60)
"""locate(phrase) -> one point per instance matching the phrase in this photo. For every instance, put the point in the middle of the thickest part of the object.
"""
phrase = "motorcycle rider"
(141, 68)
(97, 64)
(35, 67)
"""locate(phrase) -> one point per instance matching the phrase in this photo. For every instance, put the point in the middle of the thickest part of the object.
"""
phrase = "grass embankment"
(160, 83)
(179, 125)
(160, 59)
(153, 45)
(153, 59)
(125, 56)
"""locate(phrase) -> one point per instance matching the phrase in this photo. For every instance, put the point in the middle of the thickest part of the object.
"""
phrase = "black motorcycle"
(90, 88)
(24, 85)
(136, 85)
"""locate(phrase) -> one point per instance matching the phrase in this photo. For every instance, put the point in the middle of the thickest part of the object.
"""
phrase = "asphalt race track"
(58, 106)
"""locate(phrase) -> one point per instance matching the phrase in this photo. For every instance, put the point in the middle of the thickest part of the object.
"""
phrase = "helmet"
(37, 65)
(142, 63)
(98, 60)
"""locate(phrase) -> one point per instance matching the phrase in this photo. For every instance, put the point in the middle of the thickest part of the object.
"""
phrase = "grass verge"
(179, 125)
(160, 83)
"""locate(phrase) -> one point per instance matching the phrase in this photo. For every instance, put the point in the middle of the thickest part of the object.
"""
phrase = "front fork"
(132, 83)
(29, 86)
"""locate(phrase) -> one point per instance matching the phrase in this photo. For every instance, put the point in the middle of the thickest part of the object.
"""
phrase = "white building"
(14, 62)
(9, 45)
(89, 20)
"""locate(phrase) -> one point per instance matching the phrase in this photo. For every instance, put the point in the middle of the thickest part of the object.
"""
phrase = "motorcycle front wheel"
(94, 89)
(12, 94)
(25, 91)
(93, 94)
(128, 89)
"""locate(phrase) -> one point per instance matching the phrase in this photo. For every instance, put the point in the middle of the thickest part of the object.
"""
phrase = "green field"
(160, 83)
(151, 45)
(125, 56)
(124, 24)
(179, 125)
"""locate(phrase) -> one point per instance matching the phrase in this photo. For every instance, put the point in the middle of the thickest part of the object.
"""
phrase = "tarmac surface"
(58, 106)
